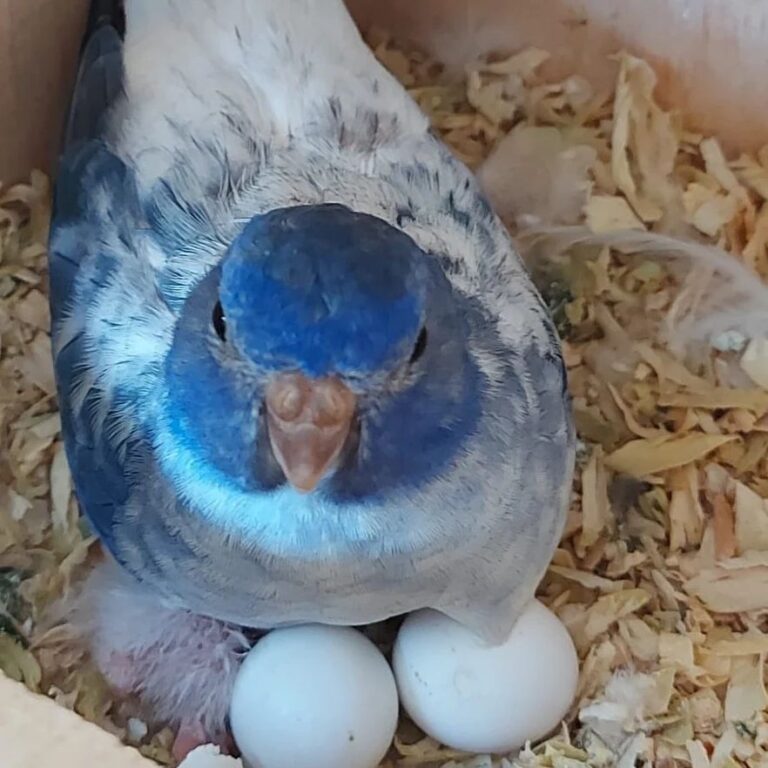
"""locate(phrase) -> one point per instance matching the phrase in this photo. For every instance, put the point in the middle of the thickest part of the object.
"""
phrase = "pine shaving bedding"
(625, 218)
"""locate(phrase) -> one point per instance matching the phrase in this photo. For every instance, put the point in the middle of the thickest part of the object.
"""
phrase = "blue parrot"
(302, 372)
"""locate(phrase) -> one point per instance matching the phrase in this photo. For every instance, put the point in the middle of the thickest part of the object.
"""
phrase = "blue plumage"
(302, 372)
(324, 289)
(101, 482)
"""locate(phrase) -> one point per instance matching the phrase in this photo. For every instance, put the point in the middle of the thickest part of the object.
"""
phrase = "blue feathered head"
(324, 347)
(323, 290)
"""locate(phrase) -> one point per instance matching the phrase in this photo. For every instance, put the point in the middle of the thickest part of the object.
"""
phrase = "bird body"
(257, 244)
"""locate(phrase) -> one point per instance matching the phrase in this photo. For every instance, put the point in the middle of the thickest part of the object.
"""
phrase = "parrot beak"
(309, 421)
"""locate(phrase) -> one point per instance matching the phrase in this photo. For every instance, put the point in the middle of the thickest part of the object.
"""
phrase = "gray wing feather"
(99, 84)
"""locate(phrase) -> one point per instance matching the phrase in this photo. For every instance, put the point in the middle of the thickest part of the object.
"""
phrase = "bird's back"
(268, 69)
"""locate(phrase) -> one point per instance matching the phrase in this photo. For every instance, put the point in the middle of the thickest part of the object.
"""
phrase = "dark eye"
(219, 321)
(421, 345)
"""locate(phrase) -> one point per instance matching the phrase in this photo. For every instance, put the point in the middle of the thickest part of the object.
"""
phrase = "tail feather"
(103, 13)
(100, 77)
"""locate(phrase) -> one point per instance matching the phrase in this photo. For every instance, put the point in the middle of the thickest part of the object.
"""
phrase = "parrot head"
(326, 351)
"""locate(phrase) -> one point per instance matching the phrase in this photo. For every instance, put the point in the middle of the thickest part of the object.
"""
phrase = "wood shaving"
(662, 574)
(609, 213)
(647, 457)
(754, 361)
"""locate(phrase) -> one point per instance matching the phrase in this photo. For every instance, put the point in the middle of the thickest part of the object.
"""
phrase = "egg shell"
(209, 756)
(314, 697)
(474, 697)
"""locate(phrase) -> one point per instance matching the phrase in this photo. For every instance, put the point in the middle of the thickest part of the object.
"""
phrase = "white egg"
(480, 698)
(314, 697)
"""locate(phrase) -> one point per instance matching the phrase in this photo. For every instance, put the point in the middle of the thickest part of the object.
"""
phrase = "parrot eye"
(219, 321)
(421, 345)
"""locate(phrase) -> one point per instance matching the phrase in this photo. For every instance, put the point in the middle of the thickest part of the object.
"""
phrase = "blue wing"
(95, 199)
(99, 85)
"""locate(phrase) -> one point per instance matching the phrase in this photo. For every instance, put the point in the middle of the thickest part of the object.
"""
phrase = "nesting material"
(662, 575)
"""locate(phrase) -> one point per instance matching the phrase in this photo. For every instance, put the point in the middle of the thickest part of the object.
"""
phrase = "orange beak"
(309, 422)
